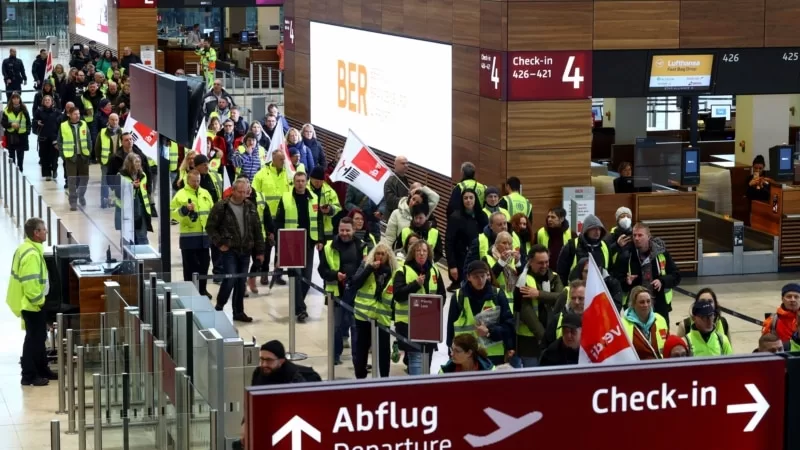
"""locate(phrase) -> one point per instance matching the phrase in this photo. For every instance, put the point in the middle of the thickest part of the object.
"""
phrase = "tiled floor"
(25, 413)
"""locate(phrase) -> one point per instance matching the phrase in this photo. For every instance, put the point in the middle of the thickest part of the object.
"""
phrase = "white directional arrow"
(297, 427)
(759, 408)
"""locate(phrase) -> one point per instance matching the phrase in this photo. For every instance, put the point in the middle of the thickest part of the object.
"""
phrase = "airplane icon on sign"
(507, 426)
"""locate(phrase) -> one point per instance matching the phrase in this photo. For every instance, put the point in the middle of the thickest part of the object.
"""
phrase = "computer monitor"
(597, 113)
(244, 37)
(781, 163)
(721, 111)
(714, 124)
(690, 166)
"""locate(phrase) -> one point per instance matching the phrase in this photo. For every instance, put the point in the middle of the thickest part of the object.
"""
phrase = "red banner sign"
(720, 403)
(425, 318)
(492, 80)
(136, 3)
(291, 248)
(288, 33)
(562, 75)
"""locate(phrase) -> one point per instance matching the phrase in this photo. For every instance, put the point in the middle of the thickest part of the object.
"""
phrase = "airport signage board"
(136, 3)
(492, 78)
(735, 402)
(549, 75)
(757, 71)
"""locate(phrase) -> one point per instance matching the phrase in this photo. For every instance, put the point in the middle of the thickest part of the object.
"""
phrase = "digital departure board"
(758, 71)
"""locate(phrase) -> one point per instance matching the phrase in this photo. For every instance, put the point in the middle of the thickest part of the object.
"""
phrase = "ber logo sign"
(352, 87)
(741, 398)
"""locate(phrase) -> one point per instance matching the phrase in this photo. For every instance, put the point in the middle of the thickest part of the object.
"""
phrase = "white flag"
(48, 68)
(144, 137)
(603, 338)
(200, 144)
(361, 168)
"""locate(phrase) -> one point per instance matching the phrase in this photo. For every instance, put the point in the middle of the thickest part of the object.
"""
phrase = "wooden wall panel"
(547, 125)
(681, 205)
(550, 25)
(467, 22)
(440, 20)
(494, 25)
(302, 36)
(318, 11)
(288, 9)
(741, 25)
(136, 27)
(491, 166)
(464, 150)
(302, 71)
(465, 77)
(493, 123)
(466, 115)
(334, 11)
(414, 18)
(544, 172)
(636, 24)
(371, 15)
(288, 65)
(391, 16)
(780, 23)
(351, 12)
(302, 9)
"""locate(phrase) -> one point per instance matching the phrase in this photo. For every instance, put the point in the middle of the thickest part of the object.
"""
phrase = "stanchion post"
(24, 205)
(112, 363)
(41, 208)
(31, 197)
(126, 405)
(373, 324)
(331, 338)
(15, 204)
(55, 435)
(426, 362)
(293, 292)
(70, 382)
(50, 232)
(62, 401)
(58, 231)
(81, 398)
(97, 409)
(146, 360)
(106, 355)
(213, 418)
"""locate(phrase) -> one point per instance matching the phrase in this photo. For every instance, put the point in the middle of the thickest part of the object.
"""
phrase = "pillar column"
(628, 116)
(762, 121)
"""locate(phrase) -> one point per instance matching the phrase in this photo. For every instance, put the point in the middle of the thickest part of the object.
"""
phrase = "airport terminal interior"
(680, 160)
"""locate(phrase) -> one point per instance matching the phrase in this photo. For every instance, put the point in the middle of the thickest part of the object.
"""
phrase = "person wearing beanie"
(401, 217)
(491, 204)
(590, 242)
(675, 347)
(273, 368)
(703, 339)
(467, 182)
(555, 234)
(758, 181)
(480, 309)
(422, 227)
(294, 157)
(649, 264)
(328, 201)
(783, 322)
(619, 238)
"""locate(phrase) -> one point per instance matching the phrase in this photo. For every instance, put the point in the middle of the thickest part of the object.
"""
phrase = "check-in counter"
(781, 217)
(181, 58)
(87, 291)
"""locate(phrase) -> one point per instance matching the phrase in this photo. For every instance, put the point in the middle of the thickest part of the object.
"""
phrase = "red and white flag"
(603, 338)
(48, 68)
(200, 144)
(361, 168)
(144, 137)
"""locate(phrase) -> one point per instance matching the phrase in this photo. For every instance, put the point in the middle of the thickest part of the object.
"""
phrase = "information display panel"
(758, 71)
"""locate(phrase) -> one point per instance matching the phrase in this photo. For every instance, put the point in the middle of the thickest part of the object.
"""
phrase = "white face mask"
(625, 223)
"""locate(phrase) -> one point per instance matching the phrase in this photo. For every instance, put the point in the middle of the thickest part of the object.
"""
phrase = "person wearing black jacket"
(38, 68)
(47, 89)
(17, 124)
(463, 227)
(310, 140)
(581, 272)
(74, 90)
(576, 297)
(116, 161)
(619, 238)
(128, 58)
(564, 351)
(425, 229)
(208, 181)
(47, 120)
(13, 73)
(590, 242)
(339, 260)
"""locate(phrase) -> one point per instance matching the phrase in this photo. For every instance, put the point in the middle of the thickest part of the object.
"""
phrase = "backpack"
(308, 373)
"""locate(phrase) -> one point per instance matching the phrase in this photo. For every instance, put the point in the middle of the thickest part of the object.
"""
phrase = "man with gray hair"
(104, 147)
(467, 182)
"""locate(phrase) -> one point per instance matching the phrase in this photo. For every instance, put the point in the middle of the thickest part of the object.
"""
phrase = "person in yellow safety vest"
(618, 238)
(480, 245)
(329, 205)
(74, 142)
(576, 296)
(556, 234)
(270, 181)
(646, 329)
(109, 139)
(467, 182)
(721, 323)
(533, 303)
(421, 226)
(267, 231)
(339, 260)
(514, 202)
(187, 165)
(703, 339)
(133, 174)
(477, 308)
(417, 275)
(222, 111)
(505, 265)
(300, 209)
(28, 287)
(466, 355)
(173, 162)
(400, 255)
(590, 242)
(208, 60)
(114, 67)
(564, 351)
(374, 290)
(209, 180)
(91, 105)
(649, 265)
(190, 207)
(17, 124)
(294, 156)
(492, 203)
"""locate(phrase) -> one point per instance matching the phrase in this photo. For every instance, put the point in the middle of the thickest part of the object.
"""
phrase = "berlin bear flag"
(603, 338)
(361, 168)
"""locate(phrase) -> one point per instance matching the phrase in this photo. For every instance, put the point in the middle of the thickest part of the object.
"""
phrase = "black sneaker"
(52, 376)
(35, 382)
(73, 208)
(242, 318)
(280, 281)
(301, 318)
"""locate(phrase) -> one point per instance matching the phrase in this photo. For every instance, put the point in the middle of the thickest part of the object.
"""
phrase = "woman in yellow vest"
(703, 339)
(187, 165)
(555, 234)
(646, 329)
(132, 172)
(505, 265)
(466, 355)
(17, 125)
(418, 275)
(360, 232)
(374, 288)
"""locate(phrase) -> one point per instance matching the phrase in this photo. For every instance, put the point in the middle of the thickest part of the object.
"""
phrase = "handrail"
(670, 221)
(791, 216)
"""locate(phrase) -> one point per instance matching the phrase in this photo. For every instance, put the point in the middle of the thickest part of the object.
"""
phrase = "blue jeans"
(233, 263)
(343, 325)
(530, 361)
(415, 363)
(104, 189)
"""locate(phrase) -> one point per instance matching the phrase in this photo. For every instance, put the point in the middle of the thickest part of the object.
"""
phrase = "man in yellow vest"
(478, 308)
(649, 265)
(109, 139)
(482, 244)
(514, 202)
(27, 288)
(590, 242)
(272, 181)
(75, 145)
(190, 207)
(208, 60)
(704, 339)
(564, 351)
(467, 182)
(299, 209)
(556, 234)
(339, 260)
(329, 205)
(576, 297)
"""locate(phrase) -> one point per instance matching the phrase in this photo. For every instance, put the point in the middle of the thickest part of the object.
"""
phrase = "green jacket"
(223, 229)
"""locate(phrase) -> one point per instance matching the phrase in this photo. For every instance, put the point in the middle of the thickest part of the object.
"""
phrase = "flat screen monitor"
(597, 113)
(721, 111)
(244, 37)
(691, 164)
(781, 162)
(681, 73)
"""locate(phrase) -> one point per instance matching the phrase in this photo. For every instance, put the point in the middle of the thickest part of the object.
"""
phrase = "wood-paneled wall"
(136, 27)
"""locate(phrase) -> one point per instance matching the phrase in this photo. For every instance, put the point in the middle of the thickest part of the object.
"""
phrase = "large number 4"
(291, 31)
(495, 76)
(572, 77)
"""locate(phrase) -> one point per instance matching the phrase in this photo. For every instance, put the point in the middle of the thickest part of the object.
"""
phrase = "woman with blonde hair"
(505, 264)
(294, 141)
(373, 285)
(309, 136)
(187, 165)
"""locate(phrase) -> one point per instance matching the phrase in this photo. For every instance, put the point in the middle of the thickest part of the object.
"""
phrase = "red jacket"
(785, 326)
